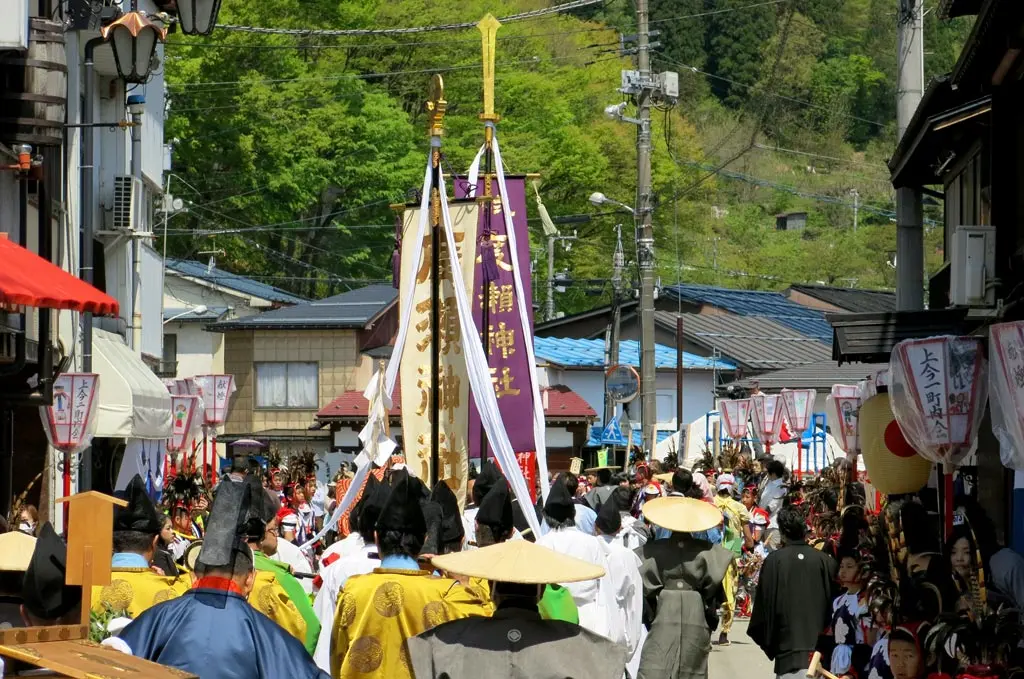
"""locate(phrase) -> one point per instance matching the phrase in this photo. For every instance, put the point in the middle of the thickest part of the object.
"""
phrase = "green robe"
(682, 581)
(297, 595)
(557, 604)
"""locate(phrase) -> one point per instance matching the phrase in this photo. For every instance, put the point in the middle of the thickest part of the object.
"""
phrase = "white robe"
(353, 544)
(469, 525)
(334, 577)
(591, 596)
(290, 554)
(625, 599)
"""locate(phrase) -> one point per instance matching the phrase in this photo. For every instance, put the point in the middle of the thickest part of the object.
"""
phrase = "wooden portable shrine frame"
(66, 650)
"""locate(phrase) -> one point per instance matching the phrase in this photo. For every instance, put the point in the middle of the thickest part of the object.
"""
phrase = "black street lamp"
(133, 39)
(198, 17)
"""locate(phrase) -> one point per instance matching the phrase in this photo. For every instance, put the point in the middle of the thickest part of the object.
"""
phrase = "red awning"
(26, 279)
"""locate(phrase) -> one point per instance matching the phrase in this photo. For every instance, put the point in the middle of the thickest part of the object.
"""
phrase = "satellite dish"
(623, 383)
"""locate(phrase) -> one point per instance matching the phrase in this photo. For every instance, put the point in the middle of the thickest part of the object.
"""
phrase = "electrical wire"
(522, 16)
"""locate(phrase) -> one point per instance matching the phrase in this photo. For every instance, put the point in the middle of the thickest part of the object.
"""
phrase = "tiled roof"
(353, 309)
(562, 404)
(589, 353)
(752, 342)
(232, 281)
(851, 299)
(186, 315)
(774, 305)
(821, 376)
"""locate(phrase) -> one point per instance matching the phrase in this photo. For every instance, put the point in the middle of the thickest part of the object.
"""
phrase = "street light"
(133, 39)
(198, 17)
(599, 199)
(197, 310)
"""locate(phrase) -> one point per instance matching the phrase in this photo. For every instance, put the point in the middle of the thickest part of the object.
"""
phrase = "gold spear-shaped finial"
(436, 106)
(489, 31)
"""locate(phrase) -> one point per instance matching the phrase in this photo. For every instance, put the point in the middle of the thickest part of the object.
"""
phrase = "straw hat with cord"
(518, 562)
(682, 514)
(16, 551)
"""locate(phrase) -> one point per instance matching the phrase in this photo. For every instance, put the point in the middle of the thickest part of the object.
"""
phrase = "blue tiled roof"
(232, 281)
(589, 353)
(773, 305)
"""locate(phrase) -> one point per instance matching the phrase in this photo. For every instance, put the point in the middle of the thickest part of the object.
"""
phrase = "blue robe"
(218, 635)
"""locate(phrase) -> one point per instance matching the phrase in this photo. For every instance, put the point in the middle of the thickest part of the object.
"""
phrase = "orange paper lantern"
(893, 466)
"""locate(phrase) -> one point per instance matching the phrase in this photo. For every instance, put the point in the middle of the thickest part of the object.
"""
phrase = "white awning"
(133, 402)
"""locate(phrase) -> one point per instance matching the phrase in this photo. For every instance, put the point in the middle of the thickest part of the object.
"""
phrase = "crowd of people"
(633, 574)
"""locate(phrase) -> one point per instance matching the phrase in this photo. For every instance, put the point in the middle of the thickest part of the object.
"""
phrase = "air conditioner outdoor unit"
(127, 203)
(972, 266)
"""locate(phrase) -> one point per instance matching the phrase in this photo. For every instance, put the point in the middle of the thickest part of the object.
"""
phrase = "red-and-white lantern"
(215, 392)
(939, 391)
(1006, 382)
(735, 415)
(844, 409)
(70, 422)
(186, 420)
(766, 413)
(799, 408)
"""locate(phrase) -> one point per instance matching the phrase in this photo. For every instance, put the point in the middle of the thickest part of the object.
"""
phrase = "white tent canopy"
(132, 402)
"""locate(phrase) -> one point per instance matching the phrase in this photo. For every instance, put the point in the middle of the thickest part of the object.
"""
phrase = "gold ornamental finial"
(436, 106)
(489, 31)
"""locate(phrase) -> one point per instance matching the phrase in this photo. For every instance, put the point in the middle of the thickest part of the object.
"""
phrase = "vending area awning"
(26, 279)
(133, 402)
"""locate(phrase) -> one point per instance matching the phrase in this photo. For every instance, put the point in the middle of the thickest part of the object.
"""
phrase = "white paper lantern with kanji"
(215, 392)
(845, 390)
(735, 415)
(766, 414)
(1006, 382)
(70, 422)
(798, 407)
(939, 390)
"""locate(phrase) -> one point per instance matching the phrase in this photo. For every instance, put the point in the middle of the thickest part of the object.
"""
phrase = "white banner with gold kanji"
(415, 375)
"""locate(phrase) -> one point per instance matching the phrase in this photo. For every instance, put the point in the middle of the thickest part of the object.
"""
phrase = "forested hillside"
(291, 147)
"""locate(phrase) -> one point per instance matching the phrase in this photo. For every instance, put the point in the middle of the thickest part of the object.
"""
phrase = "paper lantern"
(186, 420)
(843, 412)
(215, 391)
(735, 415)
(938, 394)
(892, 464)
(845, 390)
(1006, 382)
(798, 408)
(766, 413)
(70, 422)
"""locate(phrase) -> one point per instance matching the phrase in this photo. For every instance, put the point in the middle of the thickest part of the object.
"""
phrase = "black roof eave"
(231, 326)
(870, 337)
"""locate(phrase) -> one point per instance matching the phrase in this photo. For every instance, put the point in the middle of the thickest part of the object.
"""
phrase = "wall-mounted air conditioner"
(127, 203)
(972, 260)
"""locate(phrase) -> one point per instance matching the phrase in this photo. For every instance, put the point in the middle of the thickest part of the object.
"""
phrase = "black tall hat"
(261, 509)
(141, 514)
(44, 593)
(433, 515)
(364, 516)
(226, 528)
(496, 509)
(621, 499)
(487, 478)
(402, 511)
(609, 520)
(559, 505)
(452, 529)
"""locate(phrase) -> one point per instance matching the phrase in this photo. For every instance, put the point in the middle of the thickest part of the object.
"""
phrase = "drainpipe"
(88, 201)
(136, 104)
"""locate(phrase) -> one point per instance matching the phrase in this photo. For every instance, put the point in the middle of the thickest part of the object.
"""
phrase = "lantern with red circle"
(735, 416)
(766, 413)
(1006, 380)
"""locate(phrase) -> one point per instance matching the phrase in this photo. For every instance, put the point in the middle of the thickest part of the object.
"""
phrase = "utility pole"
(856, 207)
(909, 209)
(645, 234)
(549, 313)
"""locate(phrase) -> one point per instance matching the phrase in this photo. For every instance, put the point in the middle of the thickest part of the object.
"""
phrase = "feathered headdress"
(302, 466)
(706, 463)
(183, 489)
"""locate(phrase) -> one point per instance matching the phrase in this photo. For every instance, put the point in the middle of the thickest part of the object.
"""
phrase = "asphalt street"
(740, 660)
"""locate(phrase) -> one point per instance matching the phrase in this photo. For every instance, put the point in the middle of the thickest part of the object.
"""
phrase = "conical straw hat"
(518, 561)
(16, 551)
(682, 514)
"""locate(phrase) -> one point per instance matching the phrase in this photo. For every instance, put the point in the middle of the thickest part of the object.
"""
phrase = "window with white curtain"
(287, 385)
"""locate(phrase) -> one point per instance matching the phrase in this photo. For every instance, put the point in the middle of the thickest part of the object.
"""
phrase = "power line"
(718, 11)
(522, 16)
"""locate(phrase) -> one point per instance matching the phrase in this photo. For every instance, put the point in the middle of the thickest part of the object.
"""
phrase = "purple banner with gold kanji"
(511, 371)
